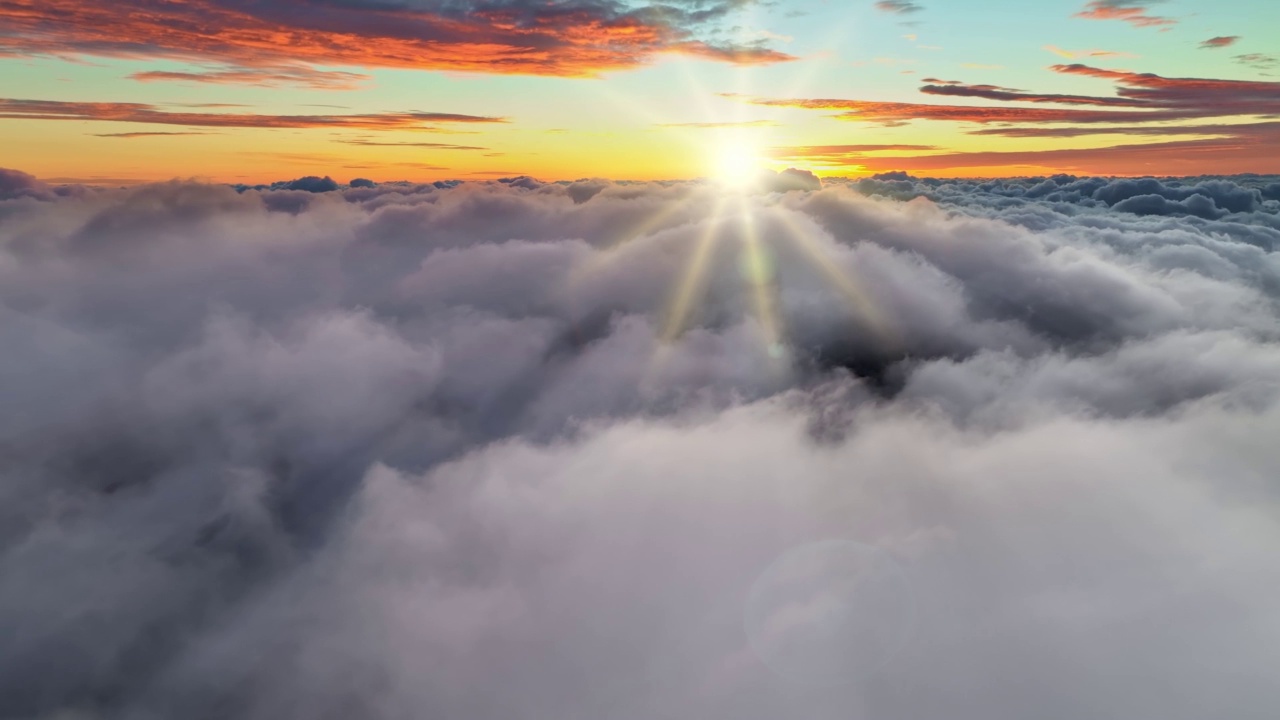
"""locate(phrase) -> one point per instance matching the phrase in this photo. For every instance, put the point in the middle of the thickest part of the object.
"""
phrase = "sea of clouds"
(892, 448)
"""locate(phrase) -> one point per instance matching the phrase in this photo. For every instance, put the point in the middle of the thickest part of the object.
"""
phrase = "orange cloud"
(1141, 101)
(1133, 12)
(300, 75)
(895, 113)
(515, 37)
(1181, 158)
(1264, 131)
(150, 114)
(130, 135)
(838, 154)
(1143, 97)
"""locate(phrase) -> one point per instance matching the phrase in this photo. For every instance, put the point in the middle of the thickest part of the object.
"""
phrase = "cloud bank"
(892, 448)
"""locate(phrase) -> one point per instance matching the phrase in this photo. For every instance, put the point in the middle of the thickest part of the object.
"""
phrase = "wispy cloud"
(298, 76)
(1185, 157)
(1096, 54)
(1259, 61)
(127, 135)
(1139, 98)
(1133, 12)
(1143, 104)
(429, 145)
(1220, 41)
(839, 154)
(899, 7)
(150, 114)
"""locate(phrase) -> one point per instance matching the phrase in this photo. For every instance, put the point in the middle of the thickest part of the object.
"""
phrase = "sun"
(735, 162)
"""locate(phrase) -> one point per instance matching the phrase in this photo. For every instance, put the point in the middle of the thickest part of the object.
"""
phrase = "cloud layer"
(895, 448)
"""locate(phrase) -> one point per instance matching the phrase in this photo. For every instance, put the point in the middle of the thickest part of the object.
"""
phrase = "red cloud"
(518, 37)
(1133, 12)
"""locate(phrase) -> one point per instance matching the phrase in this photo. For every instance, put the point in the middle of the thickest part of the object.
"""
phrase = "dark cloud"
(1220, 41)
(1259, 61)
(17, 184)
(311, 183)
(900, 447)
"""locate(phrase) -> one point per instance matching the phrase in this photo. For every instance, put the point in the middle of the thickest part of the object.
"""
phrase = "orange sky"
(224, 90)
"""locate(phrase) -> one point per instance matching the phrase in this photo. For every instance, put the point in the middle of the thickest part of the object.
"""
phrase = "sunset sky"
(249, 91)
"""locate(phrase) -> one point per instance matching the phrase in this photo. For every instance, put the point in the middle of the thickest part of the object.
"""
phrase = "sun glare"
(736, 163)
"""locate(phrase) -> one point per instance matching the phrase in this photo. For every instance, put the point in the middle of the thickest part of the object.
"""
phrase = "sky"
(591, 359)
(235, 91)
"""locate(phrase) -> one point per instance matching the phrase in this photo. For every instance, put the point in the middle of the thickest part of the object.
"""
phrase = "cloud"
(994, 92)
(899, 7)
(894, 113)
(1133, 12)
(1230, 154)
(130, 135)
(1076, 54)
(634, 450)
(17, 184)
(1139, 98)
(1220, 41)
(310, 183)
(430, 145)
(18, 109)
(839, 154)
(1254, 131)
(300, 76)
(253, 40)
(1259, 61)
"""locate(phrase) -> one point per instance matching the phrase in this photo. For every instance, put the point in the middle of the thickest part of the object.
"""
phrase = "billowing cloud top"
(900, 448)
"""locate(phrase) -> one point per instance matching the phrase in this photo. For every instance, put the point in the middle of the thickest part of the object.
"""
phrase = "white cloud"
(494, 451)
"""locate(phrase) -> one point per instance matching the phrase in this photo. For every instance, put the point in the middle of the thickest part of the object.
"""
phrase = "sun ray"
(692, 281)
(760, 274)
(859, 303)
(601, 257)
